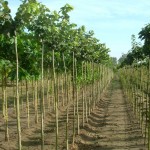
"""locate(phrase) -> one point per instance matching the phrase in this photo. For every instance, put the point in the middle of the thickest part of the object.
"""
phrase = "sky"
(113, 21)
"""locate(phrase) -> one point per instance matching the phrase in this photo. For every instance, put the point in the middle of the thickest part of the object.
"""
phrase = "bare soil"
(110, 126)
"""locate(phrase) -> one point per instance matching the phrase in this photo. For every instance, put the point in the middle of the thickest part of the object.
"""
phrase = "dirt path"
(111, 125)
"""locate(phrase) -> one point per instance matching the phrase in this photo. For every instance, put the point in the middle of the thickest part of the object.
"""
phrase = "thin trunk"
(27, 105)
(67, 144)
(14, 97)
(62, 89)
(3, 98)
(148, 95)
(93, 98)
(21, 98)
(33, 96)
(5, 105)
(146, 117)
(6, 116)
(142, 101)
(17, 96)
(56, 102)
(83, 95)
(42, 100)
(91, 90)
(36, 101)
(48, 89)
(73, 78)
(6, 120)
(66, 83)
(77, 99)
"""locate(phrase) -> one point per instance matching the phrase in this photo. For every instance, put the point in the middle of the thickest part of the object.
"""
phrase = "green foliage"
(138, 53)
(135, 55)
(5, 68)
(144, 34)
(33, 24)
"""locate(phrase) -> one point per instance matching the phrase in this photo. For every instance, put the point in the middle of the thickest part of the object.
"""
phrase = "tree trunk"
(56, 101)
(36, 101)
(67, 145)
(73, 82)
(27, 105)
(83, 109)
(42, 100)
(48, 89)
(17, 95)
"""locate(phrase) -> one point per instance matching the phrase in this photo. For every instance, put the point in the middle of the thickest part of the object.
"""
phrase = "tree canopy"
(35, 23)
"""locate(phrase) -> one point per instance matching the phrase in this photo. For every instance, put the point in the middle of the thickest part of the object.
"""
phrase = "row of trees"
(135, 82)
(35, 26)
(38, 42)
(134, 70)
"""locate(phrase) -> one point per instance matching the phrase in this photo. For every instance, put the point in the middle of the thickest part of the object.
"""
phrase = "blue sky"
(113, 21)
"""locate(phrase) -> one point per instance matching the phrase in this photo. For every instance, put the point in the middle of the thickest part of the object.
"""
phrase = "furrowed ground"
(111, 125)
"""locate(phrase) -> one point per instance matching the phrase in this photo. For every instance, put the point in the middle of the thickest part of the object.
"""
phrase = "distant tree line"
(138, 52)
